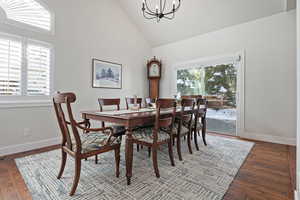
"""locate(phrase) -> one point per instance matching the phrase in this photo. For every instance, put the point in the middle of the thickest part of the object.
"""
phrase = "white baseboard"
(28, 146)
(296, 195)
(269, 138)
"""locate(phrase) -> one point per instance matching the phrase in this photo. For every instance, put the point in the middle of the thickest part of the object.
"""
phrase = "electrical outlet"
(26, 132)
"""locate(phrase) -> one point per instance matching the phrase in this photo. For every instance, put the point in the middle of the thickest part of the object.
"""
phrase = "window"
(38, 70)
(25, 67)
(10, 66)
(26, 71)
(29, 12)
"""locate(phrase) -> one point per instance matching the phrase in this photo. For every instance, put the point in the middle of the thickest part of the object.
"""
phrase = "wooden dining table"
(131, 119)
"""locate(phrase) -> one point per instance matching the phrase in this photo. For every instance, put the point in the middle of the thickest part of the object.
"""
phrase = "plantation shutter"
(27, 11)
(38, 70)
(10, 67)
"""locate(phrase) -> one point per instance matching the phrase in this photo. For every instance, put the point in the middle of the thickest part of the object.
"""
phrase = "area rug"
(204, 175)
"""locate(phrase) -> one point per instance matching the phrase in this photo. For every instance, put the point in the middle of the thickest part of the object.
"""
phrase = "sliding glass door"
(218, 83)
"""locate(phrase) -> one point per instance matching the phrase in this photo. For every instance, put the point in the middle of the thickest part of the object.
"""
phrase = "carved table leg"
(129, 155)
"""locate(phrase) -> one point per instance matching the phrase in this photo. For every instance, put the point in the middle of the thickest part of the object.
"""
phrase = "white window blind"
(27, 11)
(10, 67)
(38, 70)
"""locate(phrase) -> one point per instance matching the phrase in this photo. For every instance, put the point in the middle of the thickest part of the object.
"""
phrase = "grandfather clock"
(154, 75)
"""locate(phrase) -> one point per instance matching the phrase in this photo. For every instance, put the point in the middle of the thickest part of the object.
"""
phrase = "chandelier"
(160, 10)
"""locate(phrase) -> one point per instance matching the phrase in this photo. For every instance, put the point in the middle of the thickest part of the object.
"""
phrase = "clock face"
(154, 70)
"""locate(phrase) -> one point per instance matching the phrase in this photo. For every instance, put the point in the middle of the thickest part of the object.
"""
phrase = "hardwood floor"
(268, 174)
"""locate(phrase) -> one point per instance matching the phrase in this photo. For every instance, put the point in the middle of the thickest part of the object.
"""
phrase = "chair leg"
(77, 175)
(171, 152)
(63, 163)
(196, 140)
(179, 148)
(204, 138)
(149, 152)
(137, 147)
(96, 159)
(117, 158)
(154, 160)
(189, 143)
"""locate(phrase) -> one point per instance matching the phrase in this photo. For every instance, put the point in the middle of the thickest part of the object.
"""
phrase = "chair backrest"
(148, 101)
(165, 121)
(187, 104)
(200, 103)
(61, 100)
(109, 102)
(130, 101)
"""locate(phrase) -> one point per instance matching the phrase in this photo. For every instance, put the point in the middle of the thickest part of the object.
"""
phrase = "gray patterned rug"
(206, 174)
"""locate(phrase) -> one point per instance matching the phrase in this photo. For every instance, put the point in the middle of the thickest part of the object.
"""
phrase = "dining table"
(131, 119)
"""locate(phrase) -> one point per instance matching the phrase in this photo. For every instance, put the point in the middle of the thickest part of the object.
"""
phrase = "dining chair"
(199, 122)
(184, 124)
(130, 101)
(115, 105)
(81, 145)
(161, 133)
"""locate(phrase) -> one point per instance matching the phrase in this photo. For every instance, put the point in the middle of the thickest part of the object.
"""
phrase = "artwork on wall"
(107, 74)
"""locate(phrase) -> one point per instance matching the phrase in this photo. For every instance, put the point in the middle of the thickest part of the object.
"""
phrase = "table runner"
(120, 112)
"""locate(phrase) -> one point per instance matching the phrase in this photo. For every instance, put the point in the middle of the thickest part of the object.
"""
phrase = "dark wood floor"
(267, 174)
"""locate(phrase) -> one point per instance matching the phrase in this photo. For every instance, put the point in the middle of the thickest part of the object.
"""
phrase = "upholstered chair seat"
(95, 141)
(146, 135)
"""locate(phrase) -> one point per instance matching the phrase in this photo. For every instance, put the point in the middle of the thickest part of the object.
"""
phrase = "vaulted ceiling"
(201, 16)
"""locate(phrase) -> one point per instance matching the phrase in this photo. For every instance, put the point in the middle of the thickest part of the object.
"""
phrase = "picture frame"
(106, 74)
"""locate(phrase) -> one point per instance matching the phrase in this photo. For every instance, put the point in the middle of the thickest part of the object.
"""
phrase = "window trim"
(31, 27)
(24, 100)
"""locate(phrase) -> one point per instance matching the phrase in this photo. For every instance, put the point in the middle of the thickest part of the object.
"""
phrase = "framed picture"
(107, 74)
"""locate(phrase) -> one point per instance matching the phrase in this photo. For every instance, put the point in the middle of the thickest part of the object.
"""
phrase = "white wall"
(270, 71)
(84, 30)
